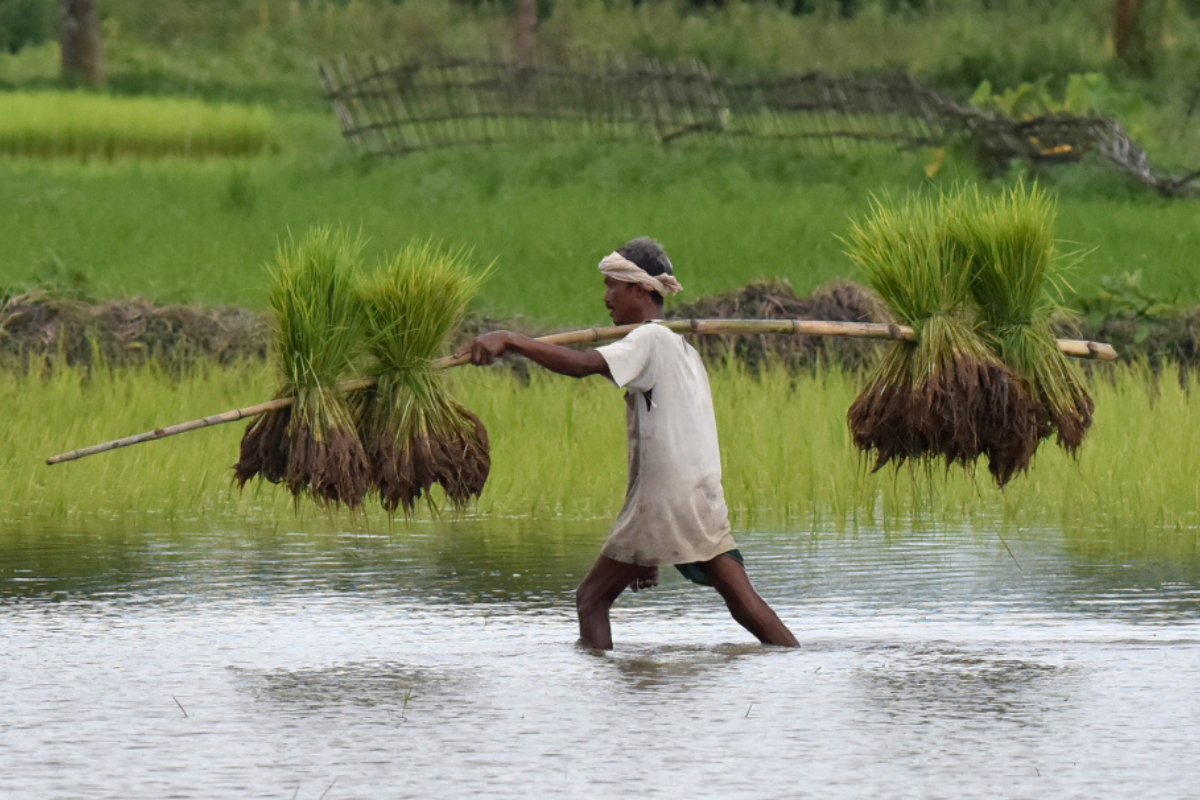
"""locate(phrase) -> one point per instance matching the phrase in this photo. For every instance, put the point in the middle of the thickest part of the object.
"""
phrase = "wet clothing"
(696, 574)
(675, 510)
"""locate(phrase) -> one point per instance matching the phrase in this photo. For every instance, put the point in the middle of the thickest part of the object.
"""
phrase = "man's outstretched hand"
(485, 349)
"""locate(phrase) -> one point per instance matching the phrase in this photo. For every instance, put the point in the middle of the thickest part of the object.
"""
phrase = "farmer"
(675, 509)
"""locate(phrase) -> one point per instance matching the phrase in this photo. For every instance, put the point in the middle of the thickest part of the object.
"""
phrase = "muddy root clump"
(405, 468)
(265, 448)
(1072, 423)
(967, 409)
(332, 468)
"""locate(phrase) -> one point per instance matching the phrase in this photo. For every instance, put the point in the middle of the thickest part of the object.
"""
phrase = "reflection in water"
(383, 685)
(467, 561)
(676, 668)
(927, 681)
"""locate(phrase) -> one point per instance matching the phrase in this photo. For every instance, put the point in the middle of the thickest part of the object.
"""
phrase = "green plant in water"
(1135, 487)
(946, 395)
(313, 445)
(1013, 274)
(416, 433)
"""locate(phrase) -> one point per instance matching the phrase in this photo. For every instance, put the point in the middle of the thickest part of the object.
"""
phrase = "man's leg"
(599, 590)
(729, 577)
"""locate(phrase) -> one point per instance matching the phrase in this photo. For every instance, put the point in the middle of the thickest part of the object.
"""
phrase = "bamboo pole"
(795, 327)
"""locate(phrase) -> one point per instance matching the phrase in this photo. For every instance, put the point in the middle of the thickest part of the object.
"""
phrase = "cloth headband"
(618, 267)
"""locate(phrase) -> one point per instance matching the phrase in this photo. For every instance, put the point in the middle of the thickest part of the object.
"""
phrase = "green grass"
(559, 451)
(183, 231)
(90, 126)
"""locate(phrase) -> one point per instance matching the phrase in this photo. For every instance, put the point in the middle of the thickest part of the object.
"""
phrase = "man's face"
(624, 300)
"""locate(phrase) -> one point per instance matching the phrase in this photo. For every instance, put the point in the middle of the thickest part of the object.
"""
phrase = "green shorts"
(694, 571)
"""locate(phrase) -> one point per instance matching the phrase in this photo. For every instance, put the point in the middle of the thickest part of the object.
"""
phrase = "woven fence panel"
(387, 108)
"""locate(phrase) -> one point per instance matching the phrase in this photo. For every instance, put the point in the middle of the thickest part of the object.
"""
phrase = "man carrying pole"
(675, 510)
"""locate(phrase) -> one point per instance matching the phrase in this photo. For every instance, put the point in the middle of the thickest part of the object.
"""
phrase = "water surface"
(440, 661)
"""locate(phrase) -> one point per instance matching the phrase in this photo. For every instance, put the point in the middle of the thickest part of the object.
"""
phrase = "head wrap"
(616, 266)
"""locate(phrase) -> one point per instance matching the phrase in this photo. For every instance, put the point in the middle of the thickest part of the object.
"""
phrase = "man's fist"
(483, 350)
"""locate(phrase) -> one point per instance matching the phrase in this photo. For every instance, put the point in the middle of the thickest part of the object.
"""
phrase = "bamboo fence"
(394, 108)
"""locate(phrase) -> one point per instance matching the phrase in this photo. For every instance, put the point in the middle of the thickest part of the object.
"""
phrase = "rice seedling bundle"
(948, 394)
(416, 434)
(313, 446)
(1013, 273)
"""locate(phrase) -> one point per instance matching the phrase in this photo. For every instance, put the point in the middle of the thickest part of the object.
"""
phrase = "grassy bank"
(181, 231)
(559, 451)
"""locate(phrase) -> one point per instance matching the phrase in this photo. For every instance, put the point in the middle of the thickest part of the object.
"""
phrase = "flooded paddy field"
(439, 660)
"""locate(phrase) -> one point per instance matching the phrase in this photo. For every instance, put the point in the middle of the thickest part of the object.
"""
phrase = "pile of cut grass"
(87, 126)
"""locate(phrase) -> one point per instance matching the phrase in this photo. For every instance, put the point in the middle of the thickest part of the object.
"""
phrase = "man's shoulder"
(654, 331)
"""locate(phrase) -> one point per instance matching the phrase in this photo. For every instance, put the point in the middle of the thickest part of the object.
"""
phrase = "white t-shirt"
(675, 510)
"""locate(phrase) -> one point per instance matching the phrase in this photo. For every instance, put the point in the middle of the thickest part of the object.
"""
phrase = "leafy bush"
(24, 23)
(1125, 296)
(1084, 95)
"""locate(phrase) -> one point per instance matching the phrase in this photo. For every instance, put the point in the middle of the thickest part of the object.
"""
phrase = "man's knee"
(727, 575)
(729, 578)
(589, 600)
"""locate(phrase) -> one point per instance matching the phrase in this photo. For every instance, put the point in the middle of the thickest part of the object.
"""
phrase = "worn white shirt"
(675, 510)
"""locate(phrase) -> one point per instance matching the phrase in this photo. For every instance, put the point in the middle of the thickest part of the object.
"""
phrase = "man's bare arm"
(563, 360)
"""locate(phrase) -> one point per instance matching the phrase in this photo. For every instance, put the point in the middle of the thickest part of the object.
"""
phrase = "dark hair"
(648, 254)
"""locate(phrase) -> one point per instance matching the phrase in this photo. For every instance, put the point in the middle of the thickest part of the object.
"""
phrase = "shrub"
(24, 23)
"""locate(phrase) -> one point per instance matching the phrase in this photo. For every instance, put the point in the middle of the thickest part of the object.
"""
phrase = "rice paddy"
(558, 450)
(957, 636)
(83, 126)
(110, 196)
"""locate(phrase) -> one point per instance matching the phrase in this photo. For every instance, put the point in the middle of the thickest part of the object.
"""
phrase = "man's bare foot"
(645, 579)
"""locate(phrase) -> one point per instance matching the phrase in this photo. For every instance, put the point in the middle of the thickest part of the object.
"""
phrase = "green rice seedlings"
(1013, 272)
(86, 126)
(417, 435)
(313, 446)
(947, 395)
